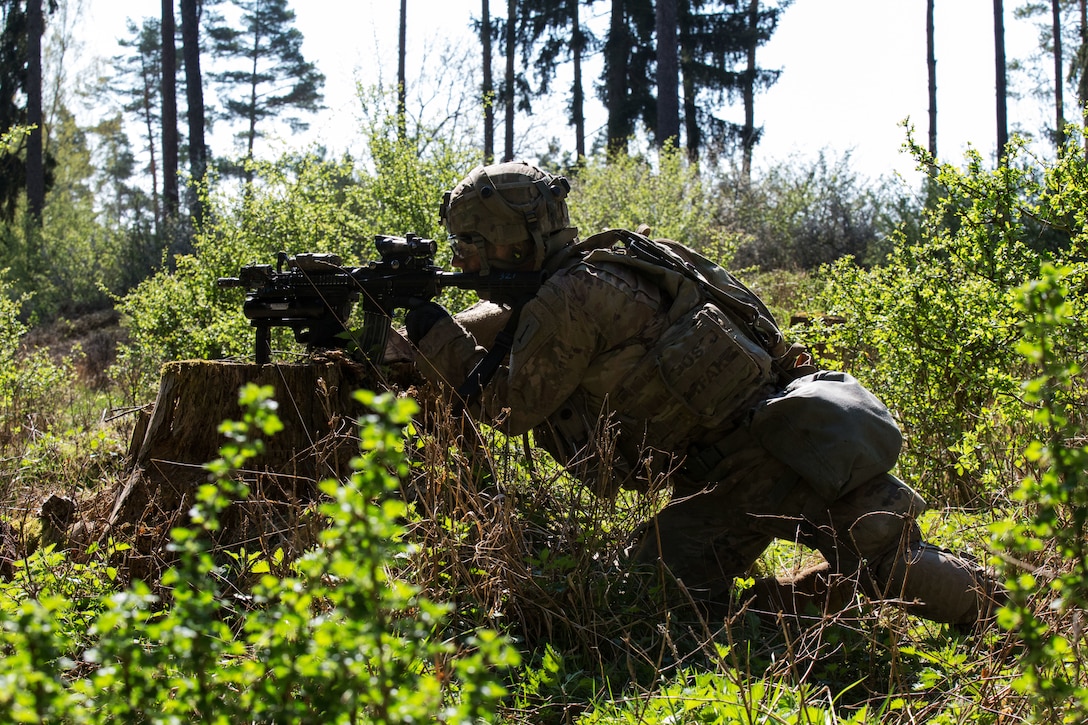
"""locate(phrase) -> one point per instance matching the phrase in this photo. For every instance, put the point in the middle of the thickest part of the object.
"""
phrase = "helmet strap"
(479, 243)
(533, 224)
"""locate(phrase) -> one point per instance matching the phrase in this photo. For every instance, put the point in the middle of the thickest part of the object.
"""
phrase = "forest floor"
(88, 339)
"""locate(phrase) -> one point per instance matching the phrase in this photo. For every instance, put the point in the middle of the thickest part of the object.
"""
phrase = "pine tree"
(268, 76)
(27, 170)
(139, 84)
(1060, 65)
(749, 134)
(122, 201)
(13, 53)
(718, 42)
(554, 32)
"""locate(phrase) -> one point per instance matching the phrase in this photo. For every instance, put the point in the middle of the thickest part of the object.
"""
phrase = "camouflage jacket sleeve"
(580, 330)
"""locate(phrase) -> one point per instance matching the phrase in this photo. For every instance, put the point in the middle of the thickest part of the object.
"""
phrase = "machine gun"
(314, 294)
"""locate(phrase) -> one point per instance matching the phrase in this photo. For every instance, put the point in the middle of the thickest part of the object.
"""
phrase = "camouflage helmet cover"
(509, 203)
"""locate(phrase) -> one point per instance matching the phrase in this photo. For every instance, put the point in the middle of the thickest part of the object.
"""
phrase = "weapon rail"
(314, 294)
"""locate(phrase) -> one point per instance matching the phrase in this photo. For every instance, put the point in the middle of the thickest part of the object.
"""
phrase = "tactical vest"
(720, 351)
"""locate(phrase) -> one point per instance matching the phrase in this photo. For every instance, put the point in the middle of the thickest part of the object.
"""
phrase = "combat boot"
(938, 585)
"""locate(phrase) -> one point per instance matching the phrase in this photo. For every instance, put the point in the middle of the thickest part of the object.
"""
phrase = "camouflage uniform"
(579, 354)
(632, 376)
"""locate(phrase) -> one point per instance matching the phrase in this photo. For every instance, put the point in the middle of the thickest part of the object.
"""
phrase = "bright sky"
(852, 70)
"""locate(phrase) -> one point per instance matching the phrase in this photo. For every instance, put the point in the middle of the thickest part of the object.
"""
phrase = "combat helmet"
(509, 203)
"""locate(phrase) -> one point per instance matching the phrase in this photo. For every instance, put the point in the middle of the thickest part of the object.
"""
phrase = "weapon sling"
(485, 370)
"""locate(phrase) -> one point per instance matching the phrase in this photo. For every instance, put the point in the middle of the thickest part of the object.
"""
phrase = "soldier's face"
(466, 255)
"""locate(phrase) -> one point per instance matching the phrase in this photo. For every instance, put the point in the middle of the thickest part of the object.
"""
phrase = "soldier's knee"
(879, 517)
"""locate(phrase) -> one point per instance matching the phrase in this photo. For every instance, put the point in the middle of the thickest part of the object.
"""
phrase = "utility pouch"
(830, 430)
(703, 369)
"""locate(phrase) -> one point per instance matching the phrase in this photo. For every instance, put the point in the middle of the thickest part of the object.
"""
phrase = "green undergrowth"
(462, 576)
(335, 640)
(484, 590)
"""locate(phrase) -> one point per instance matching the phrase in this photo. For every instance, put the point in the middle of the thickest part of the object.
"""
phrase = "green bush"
(32, 384)
(933, 330)
(302, 204)
(671, 197)
(1049, 595)
(800, 215)
(70, 262)
(341, 639)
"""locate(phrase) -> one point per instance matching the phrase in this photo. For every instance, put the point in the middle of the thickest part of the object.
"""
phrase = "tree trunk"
(616, 50)
(194, 94)
(1002, 85)
(692, 134)
(251, 132)
(171, 445)
(577, 103)
(931, 67)
(748, 135)
(181, 434)
(172, 442)
(668, 112)
(1082, 80)
(35, 150)
(149, 82)
(402, 74)
(169, 95)
(1059, 78)
(488, 90)
(511, 48)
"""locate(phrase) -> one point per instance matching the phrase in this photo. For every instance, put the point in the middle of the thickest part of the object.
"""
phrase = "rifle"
(314, 294)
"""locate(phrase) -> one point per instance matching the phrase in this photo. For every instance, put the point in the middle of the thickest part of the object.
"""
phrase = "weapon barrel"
(313, 293)
(496, 282)
(505, 288)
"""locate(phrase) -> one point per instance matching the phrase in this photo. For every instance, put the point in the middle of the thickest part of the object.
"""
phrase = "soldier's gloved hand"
(419, 320)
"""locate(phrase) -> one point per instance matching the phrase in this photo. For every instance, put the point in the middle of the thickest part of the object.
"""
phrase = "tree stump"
(172, 444)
